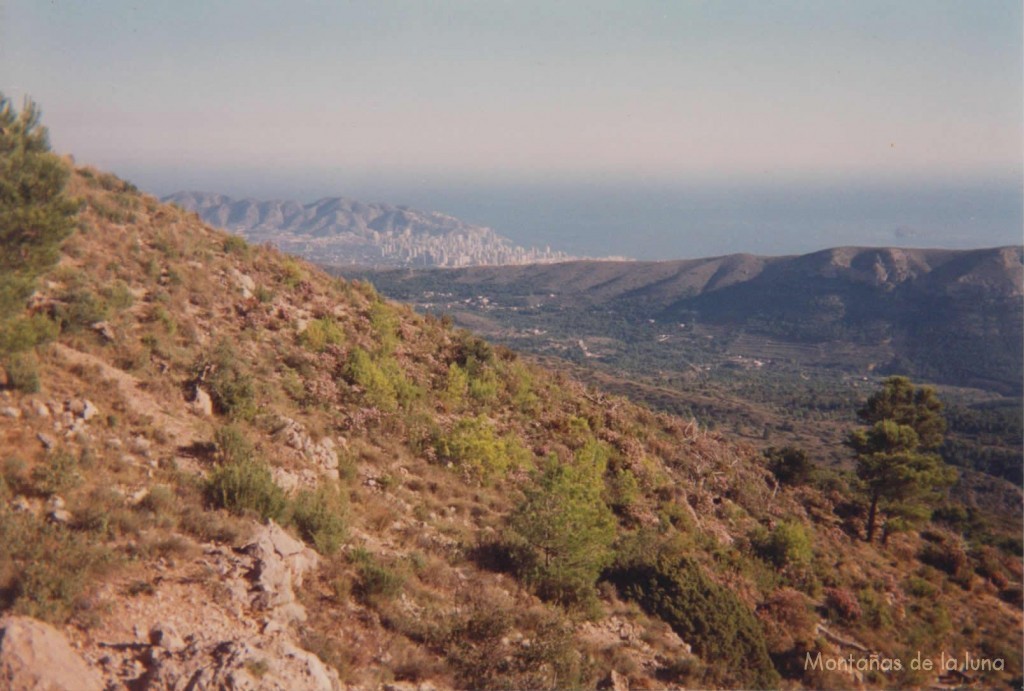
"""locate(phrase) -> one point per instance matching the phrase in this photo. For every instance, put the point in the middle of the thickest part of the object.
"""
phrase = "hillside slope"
(452, 514)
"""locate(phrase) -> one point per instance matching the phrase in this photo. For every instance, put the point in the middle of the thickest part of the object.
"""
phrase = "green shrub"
(456, 386)
(482, 656)
(876, 612)
(790, 465)
(406, 392)
(118, 295)
(20, 334)
(45, 569)
(292, 272)
(384, 323)
(232, 444)
(483, 387)
(79, 309)
(245, 486)
(721, 629)
(321, 333)
(378, 388)
(567, 526)
(320, 516)
(235, 244)
(622, 490)
(919, 587)
(230, 386)
(477, 449)
(788, 544)
(22, 372)
(384, 384)
(376, 580)
(473, 353)
(15, 289)
(521, 388)
(58, 473)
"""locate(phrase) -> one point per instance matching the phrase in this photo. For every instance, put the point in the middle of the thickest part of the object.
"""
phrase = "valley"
(776, 351)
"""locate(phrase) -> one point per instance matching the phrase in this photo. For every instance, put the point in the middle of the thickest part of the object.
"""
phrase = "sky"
(427, 101)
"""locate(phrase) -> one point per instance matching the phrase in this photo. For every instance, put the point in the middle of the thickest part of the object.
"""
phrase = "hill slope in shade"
(228, 467)
(951, 316)
(339, 230)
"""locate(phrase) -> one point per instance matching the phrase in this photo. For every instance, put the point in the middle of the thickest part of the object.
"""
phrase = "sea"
(674, 220)
(664, 222)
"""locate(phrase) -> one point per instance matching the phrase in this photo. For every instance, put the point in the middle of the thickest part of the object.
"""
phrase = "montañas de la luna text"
(875, 663)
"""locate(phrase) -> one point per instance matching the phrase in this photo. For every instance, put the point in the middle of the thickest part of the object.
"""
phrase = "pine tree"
(895, 456)
(35, 217)
(569, 526)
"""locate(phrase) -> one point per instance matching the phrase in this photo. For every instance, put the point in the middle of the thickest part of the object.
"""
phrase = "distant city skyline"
(432, 103)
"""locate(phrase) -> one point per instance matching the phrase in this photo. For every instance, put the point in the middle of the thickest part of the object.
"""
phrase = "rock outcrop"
(35, 656)
(273, 664)
(279, 564)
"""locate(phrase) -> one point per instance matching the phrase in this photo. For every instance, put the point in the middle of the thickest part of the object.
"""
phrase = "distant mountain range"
(336, 230)
(952, 316)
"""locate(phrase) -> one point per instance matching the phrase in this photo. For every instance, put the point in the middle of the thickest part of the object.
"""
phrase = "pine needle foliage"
(36, 215)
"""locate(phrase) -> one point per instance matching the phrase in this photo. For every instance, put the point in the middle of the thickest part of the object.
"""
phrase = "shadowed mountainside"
(952, 316)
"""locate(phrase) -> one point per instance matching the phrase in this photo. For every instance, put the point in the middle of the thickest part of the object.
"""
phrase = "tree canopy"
(36, 215)
(917, 407)
(895, 459)
(565, 520)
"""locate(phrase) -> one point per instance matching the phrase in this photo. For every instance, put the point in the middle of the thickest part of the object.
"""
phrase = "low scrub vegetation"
(718, 625)
(320, 516)
(246, 485)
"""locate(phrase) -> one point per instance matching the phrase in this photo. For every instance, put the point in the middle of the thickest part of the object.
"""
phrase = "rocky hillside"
(343, 231)
(223, 468)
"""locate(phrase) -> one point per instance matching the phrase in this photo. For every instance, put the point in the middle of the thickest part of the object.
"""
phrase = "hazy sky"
(489, 90)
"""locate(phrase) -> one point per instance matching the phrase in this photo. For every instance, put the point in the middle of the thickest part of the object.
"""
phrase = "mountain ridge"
(929, 303)
(340, 229)
(890, 266)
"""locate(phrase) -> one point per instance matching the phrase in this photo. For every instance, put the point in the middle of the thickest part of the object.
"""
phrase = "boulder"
(165, 636)
(35, 656)
(89, 410)
(37, 408)
(246, 284)
(279, 564)
(104, 329)
(201, 403)
(236, 664)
